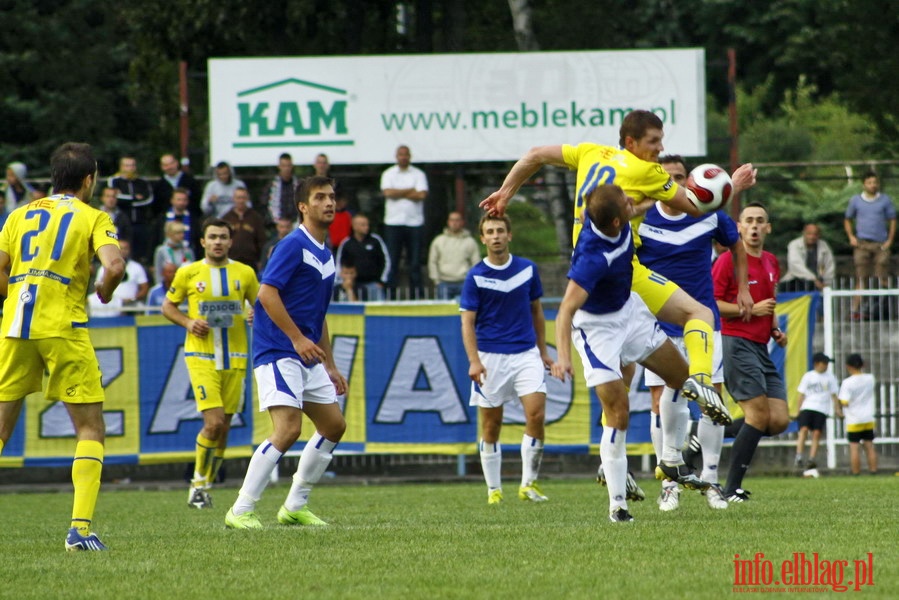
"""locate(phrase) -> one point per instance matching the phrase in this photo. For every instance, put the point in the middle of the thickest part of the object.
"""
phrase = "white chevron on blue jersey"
(501, 295)
(680, 248)
(624, 247)
(326, 269)
(507, 285)
(702, 229)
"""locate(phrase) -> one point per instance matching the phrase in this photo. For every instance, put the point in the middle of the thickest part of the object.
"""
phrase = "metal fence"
(871, 330)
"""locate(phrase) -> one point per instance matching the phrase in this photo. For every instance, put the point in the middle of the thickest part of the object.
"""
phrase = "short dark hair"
(868, 174)
(306, 185)
(668, 159)
(215, 222)
(756, 205)
(636, 123)
(504, 218)
(601, 206)
(855, 361)
(70, 164)
(223, 165)
(285, 156)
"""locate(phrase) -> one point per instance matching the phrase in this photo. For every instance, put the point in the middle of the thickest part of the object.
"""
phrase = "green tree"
(64, 76)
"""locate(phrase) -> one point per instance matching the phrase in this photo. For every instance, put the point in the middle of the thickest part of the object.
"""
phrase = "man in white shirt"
(405, 189)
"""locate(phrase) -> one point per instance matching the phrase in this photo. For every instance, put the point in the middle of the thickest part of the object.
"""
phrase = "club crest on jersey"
(201, 286)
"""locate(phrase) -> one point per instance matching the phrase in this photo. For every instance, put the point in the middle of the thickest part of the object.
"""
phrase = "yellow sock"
(214, 465)
(1, 446)
(699, 340)
(205, 451)
(86, 469)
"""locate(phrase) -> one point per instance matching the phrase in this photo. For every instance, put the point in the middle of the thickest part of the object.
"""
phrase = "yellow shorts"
(654, 289)
(216, 389)
(74, 373)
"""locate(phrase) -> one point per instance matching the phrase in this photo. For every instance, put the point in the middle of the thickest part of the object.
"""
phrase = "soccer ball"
(711, 187)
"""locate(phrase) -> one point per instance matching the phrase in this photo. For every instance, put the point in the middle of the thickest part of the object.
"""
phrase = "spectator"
(810, 262)
(405, 189)
(342, 226)
(109, 203)
(16, 191)
(158, 292)
(875, 227)
(857, 407)
(283, 226)
(135, 197)
(279, 201)
(452, 254)
(248, 230)
(132, 289)
(174, 251)
(173, 177)
(368, 253)
(322, 168)
(179, 211)
(218, 196)
(817, 397)
(345, 290)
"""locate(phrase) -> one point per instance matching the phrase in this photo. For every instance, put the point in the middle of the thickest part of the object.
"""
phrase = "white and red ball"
(711, 187)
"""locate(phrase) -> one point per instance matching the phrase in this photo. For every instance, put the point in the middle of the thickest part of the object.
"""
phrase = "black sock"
(733, 429)
(741, 456)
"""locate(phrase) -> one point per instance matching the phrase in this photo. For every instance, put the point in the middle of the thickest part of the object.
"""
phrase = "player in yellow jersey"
(48, 245)
(217, 290)
(635, 168)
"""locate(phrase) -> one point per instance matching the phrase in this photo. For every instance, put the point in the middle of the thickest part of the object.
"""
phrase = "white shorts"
(717, 361)
(509, 377)
(286, 382)
(608, 342)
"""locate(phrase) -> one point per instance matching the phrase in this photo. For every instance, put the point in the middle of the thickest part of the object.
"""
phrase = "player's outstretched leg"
(708, 400)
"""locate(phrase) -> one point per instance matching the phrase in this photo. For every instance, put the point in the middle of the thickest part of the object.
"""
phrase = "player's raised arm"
(524, 169)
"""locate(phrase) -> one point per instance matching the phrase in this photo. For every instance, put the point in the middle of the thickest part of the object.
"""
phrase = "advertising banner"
(447, 107)
(408, 391)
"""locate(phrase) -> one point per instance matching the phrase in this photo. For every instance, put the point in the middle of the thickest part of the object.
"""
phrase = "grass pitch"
(443, 541)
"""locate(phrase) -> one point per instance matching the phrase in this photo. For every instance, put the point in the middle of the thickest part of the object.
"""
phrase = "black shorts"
(812, 419)
(858, 436)
(749, 371)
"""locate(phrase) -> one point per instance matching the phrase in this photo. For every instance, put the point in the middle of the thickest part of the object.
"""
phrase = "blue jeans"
(371, 292)
(399, 238)
(449, 290)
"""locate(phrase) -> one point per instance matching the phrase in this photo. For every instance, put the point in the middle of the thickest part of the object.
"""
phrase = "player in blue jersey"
(48, 245)
(679, 247)
(504, 333)
(612, 327)
(294, 365)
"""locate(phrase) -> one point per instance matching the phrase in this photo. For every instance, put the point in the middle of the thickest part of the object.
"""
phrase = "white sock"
(315, 459)
(711, 437)
(491, 464)
(531, 457)
(613, 451)
(655, 433)
(259, 472)
(675, 422)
